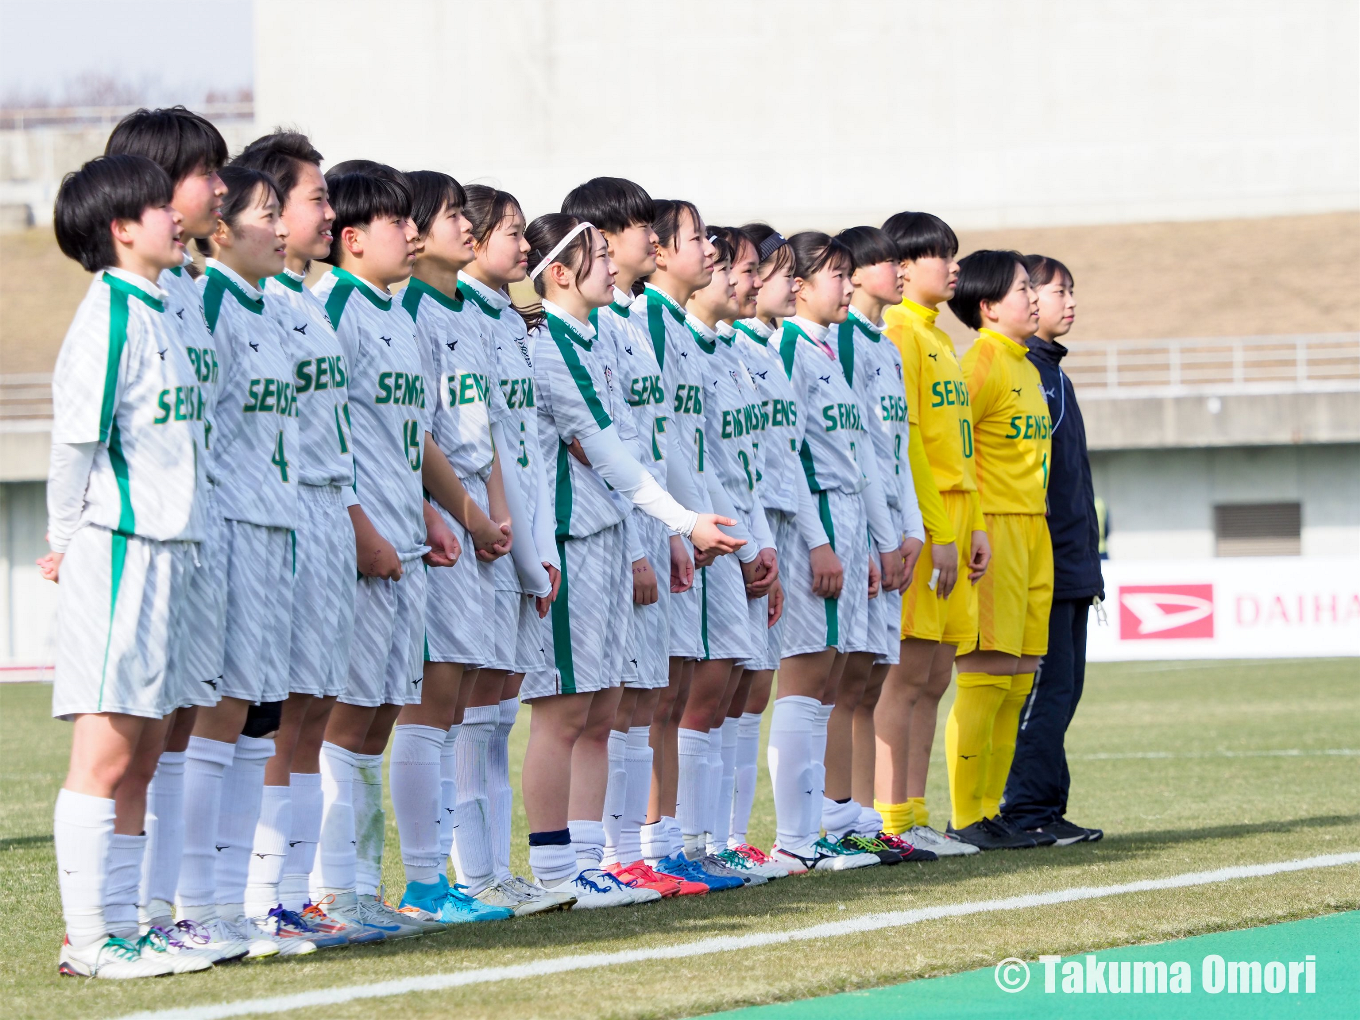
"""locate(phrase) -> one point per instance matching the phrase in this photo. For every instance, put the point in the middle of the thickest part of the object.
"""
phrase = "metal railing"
(1314, 362)
(25, 401)
(16, 118)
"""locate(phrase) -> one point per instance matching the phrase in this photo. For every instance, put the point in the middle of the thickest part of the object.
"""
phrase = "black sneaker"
(1065, 833)
(907, 851)
(1041, 837)
(871, 845)
(989, 834)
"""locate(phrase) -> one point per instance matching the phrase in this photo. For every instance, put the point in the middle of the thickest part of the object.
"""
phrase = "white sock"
(416, 788)
(814, 822)
(744, 789)
(637, 763)
(870, 822)
(692, 791)
(476, 865)
(164, 839)
(448, 797)
(655, 841)
(553, 864)
(790, 760)
(839, 818)
(587, 841)
(82, 828)
(722, 815)
(616, 788)
(677, 838)
(498, 791)
(205, 761)
(713, 791)
(303, 836)
(370, 823)
(122, 877)
(242, 790)
(333, 871)
(269, 850)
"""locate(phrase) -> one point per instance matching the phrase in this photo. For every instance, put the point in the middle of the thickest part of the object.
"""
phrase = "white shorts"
(257, 638)
(885, 627)
(685, 642)
(198, 666)
(517, 629)
(460, 601)
(385, 661)
(583, 639)
(772, 641)
(115, 628)
(813, 624)
(323, 593)
(649, 628)
(726, 628)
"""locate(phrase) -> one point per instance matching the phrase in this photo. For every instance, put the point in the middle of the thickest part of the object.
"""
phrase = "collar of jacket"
(1046, 350)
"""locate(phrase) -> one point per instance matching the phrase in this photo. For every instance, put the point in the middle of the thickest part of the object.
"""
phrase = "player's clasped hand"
(944, 560)
(444, 547)
(644, 583)
(708, 537)
(981, 557)
(682, 567)
(828, 576)
(543, 603)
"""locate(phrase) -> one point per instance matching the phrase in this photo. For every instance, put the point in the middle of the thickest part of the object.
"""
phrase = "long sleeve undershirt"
(68, 476)
(618, 467)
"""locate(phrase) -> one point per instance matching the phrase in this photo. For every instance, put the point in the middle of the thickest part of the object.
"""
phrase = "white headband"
(557, 249)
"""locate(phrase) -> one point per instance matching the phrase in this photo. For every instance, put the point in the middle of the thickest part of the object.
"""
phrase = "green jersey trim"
(656, 326)
(217, 286)
(618, 309)
(127, 289)
(703, 612)
(294, 285)
(346, 284)
(752, 334)
(787, 344)
(118, 320)
(707, 346)
(127, 519)
(845, 350)
(567, 340)
(469, 294)
(805, 455)
(561, 628)
(118, 556)
(562, 495)
(833, 620)
(419, 288)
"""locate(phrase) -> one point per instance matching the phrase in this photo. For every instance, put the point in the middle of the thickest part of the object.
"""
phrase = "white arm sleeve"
(760, 526)
(620, 469)
(912, 522)
(522, 549)
(808, 520)
(880, 521)
(722, 505)
(68, 475)
(545, 523)
(632, 537)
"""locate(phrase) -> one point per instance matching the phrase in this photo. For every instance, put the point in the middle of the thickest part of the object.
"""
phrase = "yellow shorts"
(1015, 594)
(952, 620)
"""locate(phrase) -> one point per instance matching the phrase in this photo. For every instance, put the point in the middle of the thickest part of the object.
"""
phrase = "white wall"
(829, 112)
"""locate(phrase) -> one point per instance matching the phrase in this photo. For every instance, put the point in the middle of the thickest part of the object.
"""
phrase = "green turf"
(1164, 816)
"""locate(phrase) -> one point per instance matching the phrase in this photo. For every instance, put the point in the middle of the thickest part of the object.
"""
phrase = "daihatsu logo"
(1166, 611)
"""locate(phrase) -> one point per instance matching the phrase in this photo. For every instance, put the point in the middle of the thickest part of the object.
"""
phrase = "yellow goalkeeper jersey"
(1011, 427)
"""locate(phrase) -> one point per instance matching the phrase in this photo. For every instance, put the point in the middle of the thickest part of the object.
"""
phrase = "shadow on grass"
(15, 842)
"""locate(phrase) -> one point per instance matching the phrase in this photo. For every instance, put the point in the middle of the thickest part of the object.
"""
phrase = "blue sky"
(170, 50)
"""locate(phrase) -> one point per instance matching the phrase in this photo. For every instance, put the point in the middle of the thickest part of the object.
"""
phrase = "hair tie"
(771, 245)
(557, 249)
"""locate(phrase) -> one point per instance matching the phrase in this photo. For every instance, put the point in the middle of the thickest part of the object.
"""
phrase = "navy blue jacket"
(1071, 499)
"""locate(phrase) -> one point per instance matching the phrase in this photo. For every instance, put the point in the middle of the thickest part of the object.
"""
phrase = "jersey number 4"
(279, 460)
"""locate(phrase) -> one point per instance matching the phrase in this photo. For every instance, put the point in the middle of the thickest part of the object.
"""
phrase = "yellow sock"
(920, 814)
(967, 740)
(896, 817)
(1004, 730)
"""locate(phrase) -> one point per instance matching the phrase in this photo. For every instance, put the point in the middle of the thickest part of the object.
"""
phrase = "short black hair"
(1042, 270)
(611, 203)
(983, 276)
(431, 191)
(105, 189)
(813, 251)
(242, 182)
(920, 235)
(177, 139)
(361, 196)
(669, 214)
(778, 254)
(733, 239)
(868, 246)
(279, 155)
(486, 207)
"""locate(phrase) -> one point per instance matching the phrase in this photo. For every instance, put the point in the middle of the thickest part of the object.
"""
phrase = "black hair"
(431, 192)
(983, 276)
(486, 207)
(544, 234)
(280, 155)
(178, 140)
(920, 235)
(670, 213)
(361, 196)
(733, 239)
(778, 254)
(813, 251)
(611, 203)
(242, 183)
(105, 189)
(868, 246)
(1043, 269)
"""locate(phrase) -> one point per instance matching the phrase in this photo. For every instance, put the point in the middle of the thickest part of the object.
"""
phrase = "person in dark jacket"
(1036, 790)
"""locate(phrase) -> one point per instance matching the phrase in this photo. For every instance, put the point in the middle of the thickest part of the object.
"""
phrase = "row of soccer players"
(226, 492)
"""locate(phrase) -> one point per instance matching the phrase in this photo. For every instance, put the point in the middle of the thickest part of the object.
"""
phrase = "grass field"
(1167, 757)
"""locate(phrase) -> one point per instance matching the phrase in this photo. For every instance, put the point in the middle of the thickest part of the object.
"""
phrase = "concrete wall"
(811, 113)
(28, 604)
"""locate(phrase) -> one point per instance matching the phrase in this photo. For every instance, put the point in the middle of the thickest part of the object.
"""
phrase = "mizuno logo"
(1017, 392)
(933, 357)
(616, 816)
(263, 856)
(301, 329)
(211, 683)
(629, 350)
(179, 312)
(295, 842)
(825, 378)
(386, 339)
(162, 353)
(220, 848)
(451, 344)
(253, 345)
(965, 757)
(1049, 393)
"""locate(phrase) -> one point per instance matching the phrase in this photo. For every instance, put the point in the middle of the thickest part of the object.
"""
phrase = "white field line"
(727, 943)
(1343, 752)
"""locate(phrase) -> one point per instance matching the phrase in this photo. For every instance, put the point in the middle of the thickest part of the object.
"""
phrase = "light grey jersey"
(622, 328)
(184, 300)
(731, 416)
(781, 472)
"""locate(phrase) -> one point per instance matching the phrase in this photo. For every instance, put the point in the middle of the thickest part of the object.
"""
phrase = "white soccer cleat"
(291, 939)
(937, 842)
(526, 898)
(116, 959)
(375, 911)
(186, 952)
(258, 945)
(595, 889)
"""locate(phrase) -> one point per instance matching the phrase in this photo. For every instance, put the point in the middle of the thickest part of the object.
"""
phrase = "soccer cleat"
(1065, 833)
(1040, 837)
(354, 932)
(155, 944)
(720, 876)
(114, 958)
(283, 917)
(680, 872)
(832, 856)
(595, 889)
(905, 850)
(639, 876)
(460, 908)
(261, 945)
(291, 939)
(638, 893)
(227, 942)
(795, 862)
(534, 892)
(521, 902)
(677, 865)
(989, 834)
(380, 912)
(761, 862)
(742, 867)
(870, 845)
(926, 838)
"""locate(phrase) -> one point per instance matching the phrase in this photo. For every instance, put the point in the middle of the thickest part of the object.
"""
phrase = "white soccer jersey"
(184, 300)
(731, 415)
(255, 436)
(834, 438)
(623, 331)
(387, 405)
(873, 367)
(320, 381)
(682, 380)
(574, 395)
(123, 380)
(781, 472)
(460, 364)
